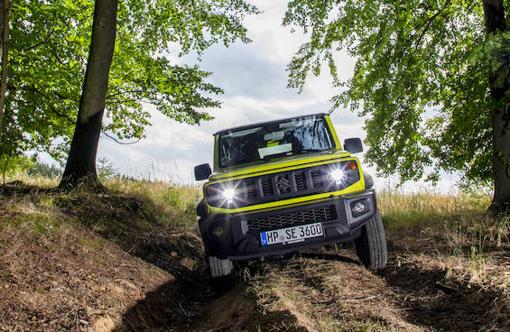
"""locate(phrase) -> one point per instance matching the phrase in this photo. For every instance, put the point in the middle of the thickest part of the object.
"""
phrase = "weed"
(91, 243)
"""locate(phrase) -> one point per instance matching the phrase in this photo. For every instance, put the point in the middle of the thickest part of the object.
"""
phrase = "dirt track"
(327, 292)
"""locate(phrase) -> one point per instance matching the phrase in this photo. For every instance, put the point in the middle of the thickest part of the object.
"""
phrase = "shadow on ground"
(431, 301)
(132, 223)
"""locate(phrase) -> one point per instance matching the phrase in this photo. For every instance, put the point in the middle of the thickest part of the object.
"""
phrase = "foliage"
(12, 165)
(48, 52)
(421, 78)
(105, 169)
(41, 169)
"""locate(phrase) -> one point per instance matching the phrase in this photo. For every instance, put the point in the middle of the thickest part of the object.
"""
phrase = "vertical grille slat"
(316, 178)
(250, 188)
(267, 186)
(300, 179)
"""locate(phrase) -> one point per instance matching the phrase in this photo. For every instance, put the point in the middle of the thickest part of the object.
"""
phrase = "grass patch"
(400, 210)
(172, 205)
(458, 228)
(37, 222)
(92, 243)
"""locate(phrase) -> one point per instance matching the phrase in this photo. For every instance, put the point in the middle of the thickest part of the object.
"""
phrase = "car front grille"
(284, 220)
(280, 186)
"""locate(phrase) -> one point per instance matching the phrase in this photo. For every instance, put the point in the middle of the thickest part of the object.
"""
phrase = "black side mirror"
(202, 172)
(353, 145)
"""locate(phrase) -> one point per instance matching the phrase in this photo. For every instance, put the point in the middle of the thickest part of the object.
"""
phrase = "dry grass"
(401, 210)
(170, 204)
(451, 232)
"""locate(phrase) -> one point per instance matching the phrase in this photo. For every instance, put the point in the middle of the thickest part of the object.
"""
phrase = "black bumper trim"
(229, 236)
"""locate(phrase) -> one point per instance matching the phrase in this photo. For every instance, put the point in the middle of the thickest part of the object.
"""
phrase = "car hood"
(276, 164)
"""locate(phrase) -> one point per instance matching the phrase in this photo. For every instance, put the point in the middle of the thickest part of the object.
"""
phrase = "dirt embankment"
(83, 262)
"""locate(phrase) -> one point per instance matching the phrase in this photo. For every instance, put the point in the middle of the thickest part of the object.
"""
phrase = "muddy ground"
(67, 267)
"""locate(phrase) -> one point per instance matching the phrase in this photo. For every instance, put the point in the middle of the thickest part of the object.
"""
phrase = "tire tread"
(371, 246)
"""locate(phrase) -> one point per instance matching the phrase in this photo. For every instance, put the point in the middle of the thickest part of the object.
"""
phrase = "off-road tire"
(371, 245)
(220, 267)
(222, 279)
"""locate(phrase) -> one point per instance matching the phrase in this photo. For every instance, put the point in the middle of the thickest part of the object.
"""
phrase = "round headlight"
(229, 194)
(359, 207)
(337, 175)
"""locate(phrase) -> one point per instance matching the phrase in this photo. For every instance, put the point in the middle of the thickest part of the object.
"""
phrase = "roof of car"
(224, 131)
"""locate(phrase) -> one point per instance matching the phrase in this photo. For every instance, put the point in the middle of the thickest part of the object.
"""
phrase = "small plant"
(105, 169)
(477, 261)
(14, 165)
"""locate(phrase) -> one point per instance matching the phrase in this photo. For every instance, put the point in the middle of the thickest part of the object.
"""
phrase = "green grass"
(400, 210)
(171, 204)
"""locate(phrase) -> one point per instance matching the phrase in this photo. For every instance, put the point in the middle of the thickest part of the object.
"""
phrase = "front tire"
(371, 245)
(220, 267)
(222, 279)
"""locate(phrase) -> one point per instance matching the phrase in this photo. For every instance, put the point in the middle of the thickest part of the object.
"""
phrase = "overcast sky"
(254, 79)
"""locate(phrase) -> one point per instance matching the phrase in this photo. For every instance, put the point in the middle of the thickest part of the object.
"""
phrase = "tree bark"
(5, 10)
(81, 163)
(499, 80)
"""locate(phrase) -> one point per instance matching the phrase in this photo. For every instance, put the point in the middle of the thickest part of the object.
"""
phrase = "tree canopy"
(49, 44)
(421, 78)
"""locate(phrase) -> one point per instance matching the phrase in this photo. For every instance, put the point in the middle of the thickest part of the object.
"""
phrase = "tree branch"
(55, 55)
(427, 25)
(116, 140)
(43, 42)
(123, 93)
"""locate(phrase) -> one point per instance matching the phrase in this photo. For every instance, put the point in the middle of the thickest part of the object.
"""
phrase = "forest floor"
(130, 260)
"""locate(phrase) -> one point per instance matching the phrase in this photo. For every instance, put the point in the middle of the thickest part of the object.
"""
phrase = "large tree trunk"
(499, 79)
(81, 163)
(5, 10)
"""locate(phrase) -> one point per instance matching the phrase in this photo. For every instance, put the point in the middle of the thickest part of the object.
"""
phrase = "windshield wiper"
(311, 150)
(272, 156)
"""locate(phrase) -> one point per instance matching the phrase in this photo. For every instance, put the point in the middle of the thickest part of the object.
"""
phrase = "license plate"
(291, 234)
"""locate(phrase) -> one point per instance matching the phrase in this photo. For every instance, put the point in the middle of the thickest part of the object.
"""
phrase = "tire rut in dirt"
(342, 295)
(177, 304)
(431, 300)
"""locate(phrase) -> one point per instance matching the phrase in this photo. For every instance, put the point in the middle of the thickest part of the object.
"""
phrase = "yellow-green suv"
(281, 186)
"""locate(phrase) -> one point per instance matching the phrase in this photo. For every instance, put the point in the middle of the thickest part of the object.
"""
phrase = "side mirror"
(202, 172)
(353, 145)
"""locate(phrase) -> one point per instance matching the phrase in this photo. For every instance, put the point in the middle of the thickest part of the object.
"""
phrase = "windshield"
(275, 139)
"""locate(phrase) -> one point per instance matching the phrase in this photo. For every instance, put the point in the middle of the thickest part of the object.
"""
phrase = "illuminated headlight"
(337, 175)
(344, 174)
(229, 194)
(223, 194)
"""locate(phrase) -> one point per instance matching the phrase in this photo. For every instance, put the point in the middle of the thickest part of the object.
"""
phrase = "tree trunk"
(81, 163)
(499, 80)
(5, 10)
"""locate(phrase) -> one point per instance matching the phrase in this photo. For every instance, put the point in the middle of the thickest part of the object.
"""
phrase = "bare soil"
(106, 264)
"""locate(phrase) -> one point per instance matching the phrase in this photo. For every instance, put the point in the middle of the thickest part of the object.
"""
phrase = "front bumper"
(237, 236)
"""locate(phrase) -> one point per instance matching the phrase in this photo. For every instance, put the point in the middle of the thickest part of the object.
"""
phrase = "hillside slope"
(129, 260)
(96, 262)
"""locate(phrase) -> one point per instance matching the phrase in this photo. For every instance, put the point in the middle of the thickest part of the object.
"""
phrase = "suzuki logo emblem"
(283, 184)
